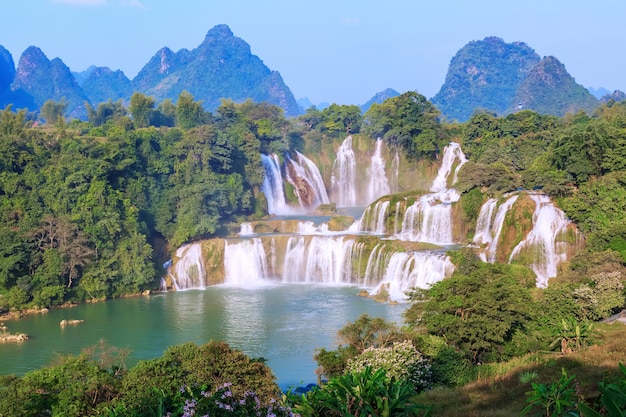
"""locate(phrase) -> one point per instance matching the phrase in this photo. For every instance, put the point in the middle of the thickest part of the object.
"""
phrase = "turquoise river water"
(284, 324)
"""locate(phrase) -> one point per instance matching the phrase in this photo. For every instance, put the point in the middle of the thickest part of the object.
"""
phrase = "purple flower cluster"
(199, 402)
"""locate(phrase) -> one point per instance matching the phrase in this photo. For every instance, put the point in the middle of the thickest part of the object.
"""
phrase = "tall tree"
(141, 109)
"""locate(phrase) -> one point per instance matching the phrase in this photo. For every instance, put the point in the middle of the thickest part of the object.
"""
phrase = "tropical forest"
(497, 319)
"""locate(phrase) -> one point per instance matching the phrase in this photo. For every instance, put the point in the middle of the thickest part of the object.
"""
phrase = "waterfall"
(304, 175)
(246, 229)
(488, 230)
(549, 223)
(189, 269)
(320, 259)
(373, 219)
(378, 185)
(343, 181)
(483, 223)
(245, 263)
(395, 169)
(451, 153)
(309, 228)
(429, 219)
(272, 185)
(399, 272)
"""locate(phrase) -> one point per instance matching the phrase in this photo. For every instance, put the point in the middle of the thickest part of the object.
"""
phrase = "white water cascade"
(395, 170)
(373, 218)
(545, 240)
(318, 259)
(429, 219)
(398, 272)
(272, 185)
(488, 228)
(189, 270)
(378, 185)
(343, 180)
(306, 178)
(451, 153)
(245, 263)
(246, 229)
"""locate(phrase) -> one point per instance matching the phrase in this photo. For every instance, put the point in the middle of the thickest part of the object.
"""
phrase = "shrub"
(399, 361)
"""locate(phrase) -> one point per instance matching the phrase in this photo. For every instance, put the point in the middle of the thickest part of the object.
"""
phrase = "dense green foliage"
(83, 206)
(86, 209)
(86, 385)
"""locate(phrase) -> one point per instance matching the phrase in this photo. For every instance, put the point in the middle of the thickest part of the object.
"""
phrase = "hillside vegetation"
(90, 210)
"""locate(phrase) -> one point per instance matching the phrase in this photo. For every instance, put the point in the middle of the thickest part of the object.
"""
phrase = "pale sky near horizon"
(337, 51)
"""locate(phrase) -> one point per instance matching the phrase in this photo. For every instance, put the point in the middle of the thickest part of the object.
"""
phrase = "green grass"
(498, 390)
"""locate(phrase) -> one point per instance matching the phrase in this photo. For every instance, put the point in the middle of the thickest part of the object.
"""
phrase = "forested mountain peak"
(550, 89)
(38, 79)
(222, 66)
(104, 84)
(379, 98)
(484, 74)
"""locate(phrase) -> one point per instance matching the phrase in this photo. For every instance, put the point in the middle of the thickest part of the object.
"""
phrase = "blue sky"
(338, 51)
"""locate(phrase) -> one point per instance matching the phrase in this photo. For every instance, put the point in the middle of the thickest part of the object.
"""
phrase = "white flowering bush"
(399, 361)
(605, 294)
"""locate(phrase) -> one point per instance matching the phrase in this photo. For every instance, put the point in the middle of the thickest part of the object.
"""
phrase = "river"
(282, 323)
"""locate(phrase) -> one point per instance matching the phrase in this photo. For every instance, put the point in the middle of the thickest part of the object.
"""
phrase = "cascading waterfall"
(307, 181)
(395, 169)
(319, 259)
(272, 185)
(189, 271)
(378, 185)
(451, 153)
(309, 228)
(373, 219)
(343, 180)
(429, 219)
(245, 263)
(488, 230)
(398, 272)
(549, 224)
(313, 254)
(246, 229)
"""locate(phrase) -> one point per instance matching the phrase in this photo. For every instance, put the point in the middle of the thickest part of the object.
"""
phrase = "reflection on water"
(284, 324)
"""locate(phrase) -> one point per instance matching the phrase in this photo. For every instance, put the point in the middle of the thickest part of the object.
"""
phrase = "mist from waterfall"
(378, 185)
(343, 180)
